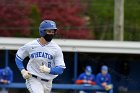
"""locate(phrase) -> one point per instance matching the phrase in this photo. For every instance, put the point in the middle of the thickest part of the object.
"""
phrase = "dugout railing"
(55, 86)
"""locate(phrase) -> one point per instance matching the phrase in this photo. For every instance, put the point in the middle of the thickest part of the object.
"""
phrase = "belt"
(40, 78)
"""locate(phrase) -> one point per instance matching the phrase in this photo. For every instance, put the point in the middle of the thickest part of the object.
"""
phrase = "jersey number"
(49, 64)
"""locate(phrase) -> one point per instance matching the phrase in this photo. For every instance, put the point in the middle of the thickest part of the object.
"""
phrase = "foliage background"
(76, 19)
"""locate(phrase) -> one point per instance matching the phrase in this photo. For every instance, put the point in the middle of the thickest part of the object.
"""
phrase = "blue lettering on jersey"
(41, 54)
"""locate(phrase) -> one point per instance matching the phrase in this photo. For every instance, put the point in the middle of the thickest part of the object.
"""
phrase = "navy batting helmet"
(88, 69)
(104, 67)
(46, 25)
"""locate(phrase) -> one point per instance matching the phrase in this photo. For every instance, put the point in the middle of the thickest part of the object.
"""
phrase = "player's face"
(50, 32)
(49, 35)
(104, 72)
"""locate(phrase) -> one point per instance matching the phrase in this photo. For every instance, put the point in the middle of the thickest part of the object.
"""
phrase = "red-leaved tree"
(14, 19)
(67, 14)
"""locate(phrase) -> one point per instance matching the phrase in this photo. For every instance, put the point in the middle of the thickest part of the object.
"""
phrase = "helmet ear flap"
(42, 32)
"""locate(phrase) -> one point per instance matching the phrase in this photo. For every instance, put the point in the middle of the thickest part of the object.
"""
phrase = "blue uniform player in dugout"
(103, 79)
(86, 78)
(6, 75)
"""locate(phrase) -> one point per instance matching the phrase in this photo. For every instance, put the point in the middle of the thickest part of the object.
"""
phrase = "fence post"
(75, 66)
(6, 57)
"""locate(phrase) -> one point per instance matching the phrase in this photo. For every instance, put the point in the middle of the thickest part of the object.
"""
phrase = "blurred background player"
(46, 59)
(86, 78)
(6, 75)
(103, 79)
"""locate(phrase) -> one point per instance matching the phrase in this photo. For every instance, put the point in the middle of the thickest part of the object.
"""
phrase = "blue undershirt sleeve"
(19, 63)
(57, 70)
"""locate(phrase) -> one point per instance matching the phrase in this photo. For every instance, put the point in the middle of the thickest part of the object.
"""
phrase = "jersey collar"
(41, 44)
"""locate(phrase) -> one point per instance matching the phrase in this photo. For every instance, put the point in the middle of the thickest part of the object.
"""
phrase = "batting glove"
(25, 74)
(108, 87)
(44, 69)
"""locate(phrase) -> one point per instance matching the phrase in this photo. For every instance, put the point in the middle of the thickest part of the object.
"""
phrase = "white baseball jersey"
(50, 54)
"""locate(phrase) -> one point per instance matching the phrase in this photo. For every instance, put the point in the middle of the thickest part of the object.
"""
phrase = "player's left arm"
(59, 63)
(109, 79)
(55, 70)
(93, 80)
(10, 76)
(109, 85)
(1, 75)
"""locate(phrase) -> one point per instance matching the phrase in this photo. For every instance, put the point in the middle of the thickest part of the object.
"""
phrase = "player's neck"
(43, 41)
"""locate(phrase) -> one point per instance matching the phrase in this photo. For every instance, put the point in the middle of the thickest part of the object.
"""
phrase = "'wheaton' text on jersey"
(41, 54)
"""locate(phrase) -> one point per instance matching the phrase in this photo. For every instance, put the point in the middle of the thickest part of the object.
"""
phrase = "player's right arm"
(20, 55)
(98, 82)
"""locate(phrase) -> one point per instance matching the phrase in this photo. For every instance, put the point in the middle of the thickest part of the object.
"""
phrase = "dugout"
(121, 57)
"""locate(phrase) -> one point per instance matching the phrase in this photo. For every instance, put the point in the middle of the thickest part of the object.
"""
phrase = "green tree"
(132, 20)
(36, 18)
(101, 14)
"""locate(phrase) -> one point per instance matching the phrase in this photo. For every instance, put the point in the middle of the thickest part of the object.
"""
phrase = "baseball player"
(6, 75)
(103, 79)
(46, 59)
(86, 78)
